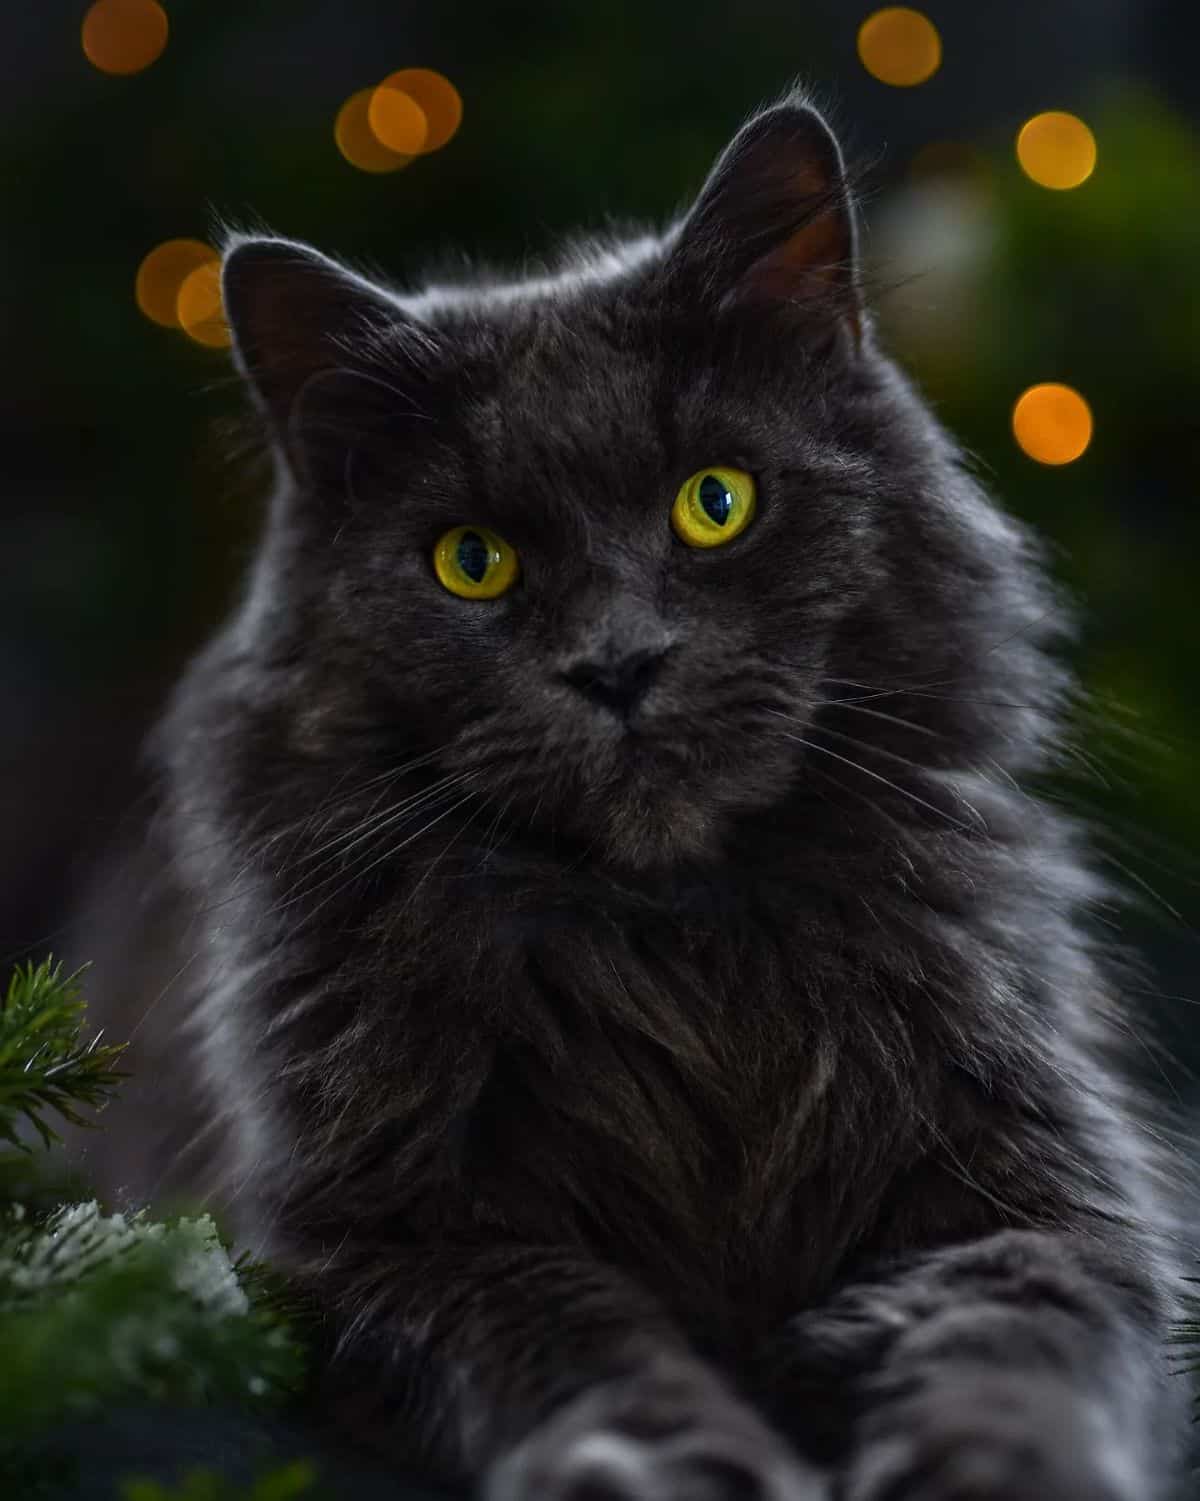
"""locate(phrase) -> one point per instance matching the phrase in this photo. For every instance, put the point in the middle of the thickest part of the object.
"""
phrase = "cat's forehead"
(600, 378)
(567, 379)
(600, 337)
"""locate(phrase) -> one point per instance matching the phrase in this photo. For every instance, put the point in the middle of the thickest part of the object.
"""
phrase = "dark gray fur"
(622, 1082)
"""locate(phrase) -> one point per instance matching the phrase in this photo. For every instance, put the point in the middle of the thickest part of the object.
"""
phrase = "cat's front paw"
(654, 1444)
(990, 1441)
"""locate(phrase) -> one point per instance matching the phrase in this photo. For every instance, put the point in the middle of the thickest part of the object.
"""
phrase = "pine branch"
(274, 1297)
(44, 1065)
(100, 1310)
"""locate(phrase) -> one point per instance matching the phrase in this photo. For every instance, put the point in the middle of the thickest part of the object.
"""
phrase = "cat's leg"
(1024, 1365)
(555, 1379)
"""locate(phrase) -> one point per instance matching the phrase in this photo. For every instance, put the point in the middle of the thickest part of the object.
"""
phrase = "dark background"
(125, 527)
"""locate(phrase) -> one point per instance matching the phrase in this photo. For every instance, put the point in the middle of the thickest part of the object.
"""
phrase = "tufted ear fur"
(329, 357)
(775, 221)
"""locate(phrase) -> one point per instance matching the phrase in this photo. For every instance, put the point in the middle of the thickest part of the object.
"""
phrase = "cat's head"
(596, 542)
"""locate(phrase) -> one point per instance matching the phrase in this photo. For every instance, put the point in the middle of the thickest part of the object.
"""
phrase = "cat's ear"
(775, 222)
(307, 335)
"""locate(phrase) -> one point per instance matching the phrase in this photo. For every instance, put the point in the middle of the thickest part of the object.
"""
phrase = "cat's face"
(627, 689)
(630, 689)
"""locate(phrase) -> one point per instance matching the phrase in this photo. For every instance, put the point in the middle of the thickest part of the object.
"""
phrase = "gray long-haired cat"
(625, 978)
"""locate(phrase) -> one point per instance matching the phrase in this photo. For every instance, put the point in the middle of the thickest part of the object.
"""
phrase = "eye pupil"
(473, 556)
(716, 499)
(713, 506)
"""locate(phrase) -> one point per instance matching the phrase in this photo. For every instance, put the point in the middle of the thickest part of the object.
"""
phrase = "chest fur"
(680, 1103)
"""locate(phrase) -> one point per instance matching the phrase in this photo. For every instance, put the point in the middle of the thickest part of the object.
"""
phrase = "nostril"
(617, 684)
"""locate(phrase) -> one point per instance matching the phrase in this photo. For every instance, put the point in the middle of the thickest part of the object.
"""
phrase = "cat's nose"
(618, 683)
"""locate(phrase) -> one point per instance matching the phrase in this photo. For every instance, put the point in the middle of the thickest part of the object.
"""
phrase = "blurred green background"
(126, 526)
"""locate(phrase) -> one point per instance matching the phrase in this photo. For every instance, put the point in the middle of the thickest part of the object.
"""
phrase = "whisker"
(327, 807)
(436, 861)
(307, 885)
(492, 837)
(355, 835)
(1158, 899)
(391, 852)
(895, 787)
(866, 745)
(920, 729)
(907, 685)
(910, 691)
(1106, 831)
(255, 855)
(383, 777)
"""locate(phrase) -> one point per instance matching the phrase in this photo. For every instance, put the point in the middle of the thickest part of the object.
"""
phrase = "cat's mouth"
(642, 751)
(662, 802)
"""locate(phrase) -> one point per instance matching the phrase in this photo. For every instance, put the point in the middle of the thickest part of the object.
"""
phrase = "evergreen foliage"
(101, 1310)
(44, 1065)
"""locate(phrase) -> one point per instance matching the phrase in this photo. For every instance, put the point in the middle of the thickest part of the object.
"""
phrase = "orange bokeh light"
(199, 307)
(358, 143)
(1056, 150)
(163, 272)
(397, 121)
(124, 36)
(436, 97)
(1052, 423)
(899, 46)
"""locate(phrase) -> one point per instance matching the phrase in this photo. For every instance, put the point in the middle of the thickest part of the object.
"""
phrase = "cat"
(621, 969)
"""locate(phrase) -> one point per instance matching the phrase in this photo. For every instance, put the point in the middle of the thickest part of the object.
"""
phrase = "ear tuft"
(332, 360)
(294, 314)
(775, 221)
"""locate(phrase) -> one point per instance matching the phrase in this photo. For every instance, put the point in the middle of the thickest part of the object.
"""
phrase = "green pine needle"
(44, 1064)
(110, 1310)
(103, 1310)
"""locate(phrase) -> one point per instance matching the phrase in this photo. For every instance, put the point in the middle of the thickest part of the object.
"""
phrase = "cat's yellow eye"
(474, 563)
(713, 507)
